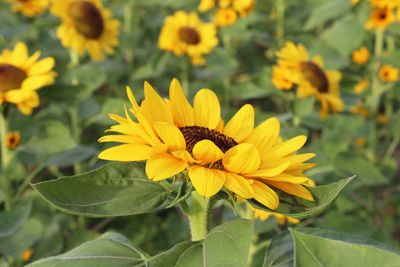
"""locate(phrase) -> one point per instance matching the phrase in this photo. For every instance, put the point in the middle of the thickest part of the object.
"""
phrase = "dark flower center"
(87, 19)
(382, 14)
(194, 134)
(315, 75)
(10, 77)
(189, 35)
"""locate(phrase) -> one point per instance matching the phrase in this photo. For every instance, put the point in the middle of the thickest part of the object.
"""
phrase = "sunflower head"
(389, 73)
(361, 56)
(29, 8)
(173, 135)
(21, 76)
(87, 19)
(315, 76)
(380, 18)
(361, 86)
(13, 139)
(225, 17)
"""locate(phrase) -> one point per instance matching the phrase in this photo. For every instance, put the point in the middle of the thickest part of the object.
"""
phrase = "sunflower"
(389, 73)
(21, 75)
(172, 136)
(206, 5)
(310, 77)
(225, 17)
(29, 8)
(86, 25)
(361, 86)
(243, 7)
(361, 56)
(264, 215)
(13, 139)
(380, 18)
(185, 33)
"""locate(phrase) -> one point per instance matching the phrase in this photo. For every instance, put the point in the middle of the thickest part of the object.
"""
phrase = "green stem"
(280, 23)
(198, 214)
(5, 160)
(186, 68)
(28, 179)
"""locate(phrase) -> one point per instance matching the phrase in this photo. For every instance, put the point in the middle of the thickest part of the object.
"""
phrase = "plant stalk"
(280, 23)
(5, 160)
(198, 215)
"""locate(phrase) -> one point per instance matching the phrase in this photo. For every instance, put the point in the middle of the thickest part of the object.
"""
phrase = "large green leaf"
(116, 189)
(280, 251)
(327, 11)
(299, 208)
(317, 247)
(179, 255)
(110, 249)
(12, 220)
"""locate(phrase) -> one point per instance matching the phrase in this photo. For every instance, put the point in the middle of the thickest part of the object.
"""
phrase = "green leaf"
(327, 11)
(116, 189)
(15, 244)
(300, 208)
(317, 247)
(303, 106)
(110, 249)
(280, 251)
(71, 156)
(12, 220)
(228, 244)
(345, 35)
(176, 256)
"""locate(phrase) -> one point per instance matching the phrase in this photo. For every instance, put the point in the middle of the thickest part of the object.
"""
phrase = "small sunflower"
(382, 119)
(13, 139)
(172, 136)
(360, 109)
(380, 18)
(389, 73)
(86, 25)
(243, 7)
(206, 5)
(29, 8)
(21, 75)
(26, 256)
(225, 17)
(310, 77)
(264, 215)
(361, 56)
(185, 33)
(361, 141)
(361, 86)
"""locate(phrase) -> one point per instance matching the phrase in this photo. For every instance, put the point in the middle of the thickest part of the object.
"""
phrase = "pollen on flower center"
(194, 134)
(11, 77)
(189, 35)
(87, 19)
(315, 75)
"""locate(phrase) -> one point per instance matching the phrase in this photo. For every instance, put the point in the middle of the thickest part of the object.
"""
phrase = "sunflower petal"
(171, 135)
(181, 109)
(207, 151)
(126, 152)
(243, 158)
(157, 107)
(42, 66)
(293, 189)
(207, 111)
(268, 172)
(163, 165)
(238, 185)
(128, 139)
(242, 123)
(263, 134)
(206, 181)
(265, 195)
(291, 146)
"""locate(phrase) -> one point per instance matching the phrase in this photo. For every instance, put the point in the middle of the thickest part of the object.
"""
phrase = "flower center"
(10, 77)
(194, 134)
(315, 75)
(382, 14)
(87, 19)
(189, 35)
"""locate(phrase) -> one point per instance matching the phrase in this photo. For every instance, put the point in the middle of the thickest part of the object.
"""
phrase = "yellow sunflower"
(243, 7)
(86, 25)
(361, 86)
(173, 136)
(185, 33)
(206, 5)
(380, 18)
(264, 215)
(279, 79)
(311, 78)
(13, 139)
(29, 8)
(21, 75)
(225, 17)
(361, 56)
(389, 73)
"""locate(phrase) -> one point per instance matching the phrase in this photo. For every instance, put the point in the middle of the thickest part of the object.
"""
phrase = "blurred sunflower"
(13, 139)
(389, 73)
(29, 8)
(86, 25)
(225, 17)
(361, 56)
(21, 75)
(310, 77)
(380, 18)
(361, 86)
(206, 5)
(172, 135)
(264, 215)
(185, 33)
(243, 7)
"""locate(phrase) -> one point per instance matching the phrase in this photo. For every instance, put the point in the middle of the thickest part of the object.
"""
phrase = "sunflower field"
(198, 133)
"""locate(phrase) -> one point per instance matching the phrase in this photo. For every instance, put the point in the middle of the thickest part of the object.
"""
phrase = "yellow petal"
(264, 133)
(243, 158)
(301, 157)
(42, 66)
(126, 152)
(128, 139)
(181, 109)
(157, 107)
(206, 109)
(291, 146)
(171, 135)
(268, 172)
(293, 189)
(241, 125)
(184, 155)
(14, 96)
(207, 151)
(206, 181)
(238, 185)
(20, 54)
(163, 165)
(265, 195)
(35, 82)
(289, 179)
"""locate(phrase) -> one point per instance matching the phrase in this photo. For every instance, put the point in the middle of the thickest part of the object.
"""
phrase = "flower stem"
(280, 23)
(5, 160)
(198, 215)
